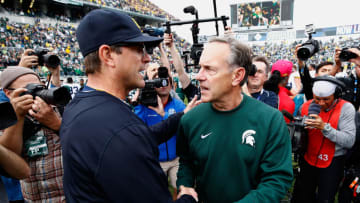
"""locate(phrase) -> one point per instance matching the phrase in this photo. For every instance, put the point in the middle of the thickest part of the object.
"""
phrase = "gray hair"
(240, 54)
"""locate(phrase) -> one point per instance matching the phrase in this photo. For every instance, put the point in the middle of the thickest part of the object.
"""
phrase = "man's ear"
(7, 92)
(106, 55)
(238, 75)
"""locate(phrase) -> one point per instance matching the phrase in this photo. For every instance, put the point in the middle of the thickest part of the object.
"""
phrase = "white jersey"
(73, 87)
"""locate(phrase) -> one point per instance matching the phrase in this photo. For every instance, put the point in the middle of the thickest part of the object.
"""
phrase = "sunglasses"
(146, 49)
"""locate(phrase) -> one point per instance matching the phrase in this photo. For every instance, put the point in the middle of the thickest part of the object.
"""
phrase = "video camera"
(310, 47)
(197, 47)
(52, 61)
(58, 96)
(153, 31)
(148, 94)
(346, 55)
(297, 125)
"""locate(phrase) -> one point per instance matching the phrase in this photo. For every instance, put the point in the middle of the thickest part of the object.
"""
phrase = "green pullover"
(241, 155)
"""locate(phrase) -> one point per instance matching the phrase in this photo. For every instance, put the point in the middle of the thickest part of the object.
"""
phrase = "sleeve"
(167, 128)
(185, 175)
(129, 163)
(276, 173)
(345, 134)
(307, 83)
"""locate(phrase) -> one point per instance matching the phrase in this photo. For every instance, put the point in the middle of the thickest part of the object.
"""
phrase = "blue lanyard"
(355, 89)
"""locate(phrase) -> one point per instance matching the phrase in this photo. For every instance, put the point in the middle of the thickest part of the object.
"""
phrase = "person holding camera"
(110, 154)
(34, 136)
(330, 134)
(255, 83)
(232, 148)
(168, 105)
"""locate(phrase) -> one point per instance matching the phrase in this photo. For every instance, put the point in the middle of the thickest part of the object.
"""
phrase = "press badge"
(36, 145)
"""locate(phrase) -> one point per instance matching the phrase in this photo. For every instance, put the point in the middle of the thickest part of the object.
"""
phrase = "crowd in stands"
(139, 6)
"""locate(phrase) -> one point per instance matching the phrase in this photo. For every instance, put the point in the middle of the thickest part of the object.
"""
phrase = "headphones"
(340, 86)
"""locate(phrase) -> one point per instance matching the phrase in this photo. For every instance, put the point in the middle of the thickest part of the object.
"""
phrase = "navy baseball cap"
(109, 27)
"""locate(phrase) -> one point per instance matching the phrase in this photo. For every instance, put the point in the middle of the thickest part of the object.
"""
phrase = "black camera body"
(308, 49)
(148, 94)
(51, 61)
(153, 31)
(58, 96)
(346, 55)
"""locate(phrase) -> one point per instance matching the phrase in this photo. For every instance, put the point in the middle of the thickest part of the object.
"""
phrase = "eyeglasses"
(145, 49)
(9, 88)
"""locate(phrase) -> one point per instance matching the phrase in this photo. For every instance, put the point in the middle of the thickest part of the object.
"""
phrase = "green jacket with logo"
(242, 155)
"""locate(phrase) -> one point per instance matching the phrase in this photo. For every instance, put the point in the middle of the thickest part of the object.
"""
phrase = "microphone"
(287, 115)
(190, 9)
(314, 108)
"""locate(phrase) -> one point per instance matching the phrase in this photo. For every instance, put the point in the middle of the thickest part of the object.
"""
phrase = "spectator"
(280, 73)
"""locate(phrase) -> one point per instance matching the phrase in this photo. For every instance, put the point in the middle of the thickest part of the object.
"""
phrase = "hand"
(228, 31)
(159, 109)
(45, 114)
(187, 191)
(168, 39)
(316, 122)
(21, 104)
(192, 104)
(300, 62)
(336, 56)
(27, 60)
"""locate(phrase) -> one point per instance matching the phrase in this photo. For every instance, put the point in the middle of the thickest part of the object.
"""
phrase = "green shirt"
(242, 155)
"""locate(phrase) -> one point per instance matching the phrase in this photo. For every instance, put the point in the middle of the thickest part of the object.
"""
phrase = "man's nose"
(200, 76)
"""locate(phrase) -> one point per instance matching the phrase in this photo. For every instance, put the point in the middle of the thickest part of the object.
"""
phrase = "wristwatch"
(327, 127)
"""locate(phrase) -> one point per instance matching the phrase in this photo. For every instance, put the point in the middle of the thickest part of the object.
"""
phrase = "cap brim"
(146, 40)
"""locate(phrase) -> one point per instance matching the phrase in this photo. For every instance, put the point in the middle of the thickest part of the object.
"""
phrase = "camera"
(153, 31)
(58, 96)
(148, 94)
(346, 55)
(310, 47)
(52, 61)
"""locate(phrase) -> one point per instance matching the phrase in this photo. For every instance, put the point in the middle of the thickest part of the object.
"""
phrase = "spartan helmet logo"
(247, 137)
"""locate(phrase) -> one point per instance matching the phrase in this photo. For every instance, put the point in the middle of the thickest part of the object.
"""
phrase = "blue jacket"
(150, 117)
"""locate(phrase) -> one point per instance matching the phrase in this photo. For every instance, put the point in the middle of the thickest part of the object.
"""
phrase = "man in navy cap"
(109, 154)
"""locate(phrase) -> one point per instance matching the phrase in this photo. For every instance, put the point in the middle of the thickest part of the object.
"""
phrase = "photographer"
(37, 121)
(352, 81)
(30, 59)
(167, 106)
(331, 133)
(324, 68)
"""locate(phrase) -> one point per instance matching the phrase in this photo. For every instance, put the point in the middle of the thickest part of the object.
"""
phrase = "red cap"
(283, 66)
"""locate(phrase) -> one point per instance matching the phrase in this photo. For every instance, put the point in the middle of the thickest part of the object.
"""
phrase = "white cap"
(323, 88)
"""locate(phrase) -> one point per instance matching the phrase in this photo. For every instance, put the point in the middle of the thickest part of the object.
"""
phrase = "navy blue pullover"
(110, 155)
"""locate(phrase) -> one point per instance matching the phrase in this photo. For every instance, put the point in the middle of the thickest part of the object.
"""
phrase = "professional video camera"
(310, 47)
(297, 126)
(197, 47)
(346, 55)
(153, 31)
(58, 96)
(52, 61)
(148, 94)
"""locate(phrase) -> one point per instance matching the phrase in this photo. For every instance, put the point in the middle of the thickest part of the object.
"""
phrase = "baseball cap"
(283, 66)
(11, 73)
(109, 27)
